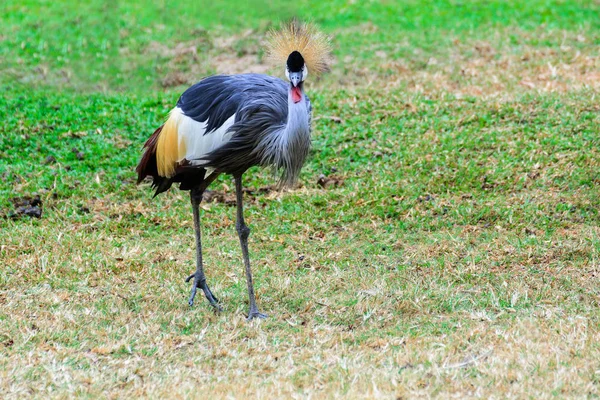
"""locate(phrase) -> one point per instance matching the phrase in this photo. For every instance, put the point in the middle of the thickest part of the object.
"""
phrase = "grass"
(454, 251)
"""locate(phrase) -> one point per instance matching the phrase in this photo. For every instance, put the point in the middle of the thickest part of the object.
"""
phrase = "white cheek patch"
(304, 72)
(287, 73)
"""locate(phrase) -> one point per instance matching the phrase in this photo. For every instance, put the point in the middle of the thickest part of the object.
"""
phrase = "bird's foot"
(201, 283)
(255, 314)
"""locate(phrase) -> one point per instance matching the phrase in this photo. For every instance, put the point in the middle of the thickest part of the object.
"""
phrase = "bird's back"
(218, 97)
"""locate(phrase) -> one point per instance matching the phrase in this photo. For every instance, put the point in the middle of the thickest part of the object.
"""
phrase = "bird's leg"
(243, 233)
(199, 278)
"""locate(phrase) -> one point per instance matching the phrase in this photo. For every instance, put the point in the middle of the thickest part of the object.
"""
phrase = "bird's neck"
(298, 118)
(290, 146)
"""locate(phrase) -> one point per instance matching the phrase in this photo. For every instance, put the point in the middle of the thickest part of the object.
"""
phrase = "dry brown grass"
(475, 67)
(493, 318)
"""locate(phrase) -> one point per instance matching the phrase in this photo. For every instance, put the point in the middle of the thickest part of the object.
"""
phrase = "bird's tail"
(313, 45)
(148, 167)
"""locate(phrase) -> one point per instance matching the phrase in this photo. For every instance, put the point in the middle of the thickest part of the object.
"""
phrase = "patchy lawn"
(444, 239)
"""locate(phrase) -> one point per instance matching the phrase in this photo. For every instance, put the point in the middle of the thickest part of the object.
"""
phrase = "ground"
(444, 240)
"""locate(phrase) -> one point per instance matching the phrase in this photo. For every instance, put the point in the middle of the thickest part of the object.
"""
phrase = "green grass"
(458, 255)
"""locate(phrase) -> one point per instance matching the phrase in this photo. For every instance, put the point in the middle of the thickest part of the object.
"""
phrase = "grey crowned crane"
(229, 123)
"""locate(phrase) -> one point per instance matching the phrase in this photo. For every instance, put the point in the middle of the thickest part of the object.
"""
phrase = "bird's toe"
(256, 314)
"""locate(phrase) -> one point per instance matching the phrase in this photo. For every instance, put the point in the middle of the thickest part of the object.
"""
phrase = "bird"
(225, 124)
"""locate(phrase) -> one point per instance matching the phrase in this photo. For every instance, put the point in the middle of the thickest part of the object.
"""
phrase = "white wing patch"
(196, 141)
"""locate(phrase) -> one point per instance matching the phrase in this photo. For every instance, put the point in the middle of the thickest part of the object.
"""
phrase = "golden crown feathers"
(312, 44)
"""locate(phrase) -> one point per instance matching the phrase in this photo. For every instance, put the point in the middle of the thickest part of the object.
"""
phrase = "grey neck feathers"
(287, 147)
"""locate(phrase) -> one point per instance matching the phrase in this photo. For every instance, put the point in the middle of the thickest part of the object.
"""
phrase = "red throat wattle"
(296, 94)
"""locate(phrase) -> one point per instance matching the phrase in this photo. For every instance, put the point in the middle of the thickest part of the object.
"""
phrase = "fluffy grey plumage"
(269, 128)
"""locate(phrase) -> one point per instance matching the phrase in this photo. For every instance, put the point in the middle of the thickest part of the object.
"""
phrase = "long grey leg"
(243, 233)
(199, 278)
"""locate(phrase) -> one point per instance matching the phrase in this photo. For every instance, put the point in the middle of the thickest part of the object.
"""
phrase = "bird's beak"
(295, 78)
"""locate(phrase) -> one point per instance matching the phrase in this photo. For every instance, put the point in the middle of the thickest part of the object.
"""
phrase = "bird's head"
(302, 48)
(295, 69)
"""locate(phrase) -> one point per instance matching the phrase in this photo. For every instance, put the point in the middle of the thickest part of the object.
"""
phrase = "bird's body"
(229, 123)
